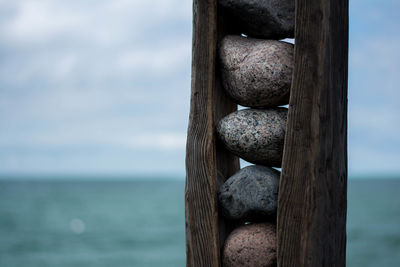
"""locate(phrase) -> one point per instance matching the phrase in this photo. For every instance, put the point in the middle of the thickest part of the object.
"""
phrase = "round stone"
(255, 135)
(256, 73)
(251, 194)
(251, 245)
(269, 19)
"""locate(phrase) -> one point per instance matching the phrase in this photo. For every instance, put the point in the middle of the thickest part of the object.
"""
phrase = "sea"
(121, 223)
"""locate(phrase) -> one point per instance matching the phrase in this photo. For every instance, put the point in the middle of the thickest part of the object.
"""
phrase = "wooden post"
(313, 187)
(312, 196)
(208, 164)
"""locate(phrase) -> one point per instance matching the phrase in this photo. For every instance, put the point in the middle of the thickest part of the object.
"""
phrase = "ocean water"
(138, 223)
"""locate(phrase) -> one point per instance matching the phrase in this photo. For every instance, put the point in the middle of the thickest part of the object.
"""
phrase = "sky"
(103, 87)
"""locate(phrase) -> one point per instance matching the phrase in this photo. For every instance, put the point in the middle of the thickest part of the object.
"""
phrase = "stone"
(255, 135)
(251, 194)
(269, 19)
(256, 73)
(252, 245)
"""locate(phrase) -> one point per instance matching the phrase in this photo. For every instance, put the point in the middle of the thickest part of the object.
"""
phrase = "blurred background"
(94, 105)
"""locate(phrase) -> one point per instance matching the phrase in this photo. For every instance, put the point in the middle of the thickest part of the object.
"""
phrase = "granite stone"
(269, 19)
(255, 135)
(251, 194)
(252, 245)
(256, 73)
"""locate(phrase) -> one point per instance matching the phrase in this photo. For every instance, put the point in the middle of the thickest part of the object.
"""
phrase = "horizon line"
(148, 176)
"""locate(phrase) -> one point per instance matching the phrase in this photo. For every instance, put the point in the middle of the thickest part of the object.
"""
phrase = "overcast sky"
(95, 86)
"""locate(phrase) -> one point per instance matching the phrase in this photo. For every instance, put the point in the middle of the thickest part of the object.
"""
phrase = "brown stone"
(251, 245)
(256, 73)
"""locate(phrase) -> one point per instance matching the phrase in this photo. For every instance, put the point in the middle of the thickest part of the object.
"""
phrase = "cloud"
(105, 85)
(373, 139)
(106, 81)
(157, 59)
(36, 21)
(157, 141)
(105, 22)
(374, 64)
(75, 138)
(378, 162)
(382, 122)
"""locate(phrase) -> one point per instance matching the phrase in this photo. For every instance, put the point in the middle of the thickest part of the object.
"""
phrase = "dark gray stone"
(255, 135)
(256, 73)
(251, 193)
(269, 19)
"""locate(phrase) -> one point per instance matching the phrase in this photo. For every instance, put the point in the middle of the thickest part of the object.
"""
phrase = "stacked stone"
(256, 73)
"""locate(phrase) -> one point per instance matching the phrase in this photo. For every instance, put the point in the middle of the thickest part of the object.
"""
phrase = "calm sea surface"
(118, 224)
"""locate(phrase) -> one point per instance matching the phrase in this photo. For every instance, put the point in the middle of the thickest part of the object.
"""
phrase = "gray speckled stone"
(251, 245)
(250, 194)
(255, 135)
(269, 19)
(256, 73)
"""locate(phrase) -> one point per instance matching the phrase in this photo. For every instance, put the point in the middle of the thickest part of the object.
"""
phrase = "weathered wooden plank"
(227, 163)
(208, 164)
(313, 187)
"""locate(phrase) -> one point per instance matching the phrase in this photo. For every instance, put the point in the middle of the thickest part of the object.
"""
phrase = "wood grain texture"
(227, 163)
(208, 164)
(313, 187)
